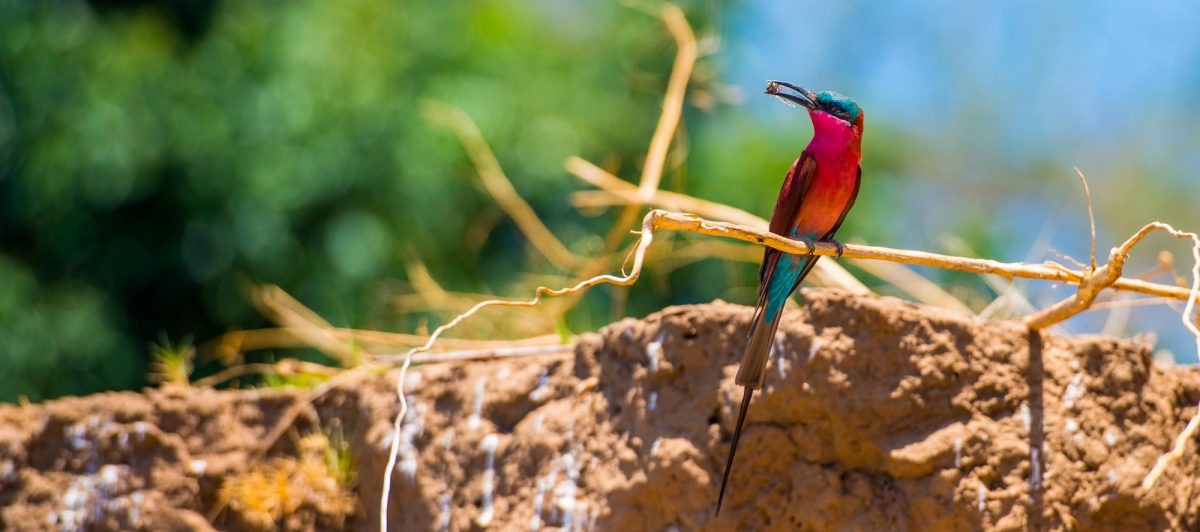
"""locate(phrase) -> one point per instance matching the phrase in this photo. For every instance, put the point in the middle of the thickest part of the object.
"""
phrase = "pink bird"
(818, 192)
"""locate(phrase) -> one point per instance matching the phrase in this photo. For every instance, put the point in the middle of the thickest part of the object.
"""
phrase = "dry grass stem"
(498, 185)
(1128, 303)
(281, 308)
(283, 337)
(286, 367)
(483, 354)
(668, 121)
(664, 131)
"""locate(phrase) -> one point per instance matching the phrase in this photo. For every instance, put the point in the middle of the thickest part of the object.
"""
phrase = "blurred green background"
(158, 158)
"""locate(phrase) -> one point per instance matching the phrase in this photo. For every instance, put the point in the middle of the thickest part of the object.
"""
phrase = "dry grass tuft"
(172, 364)
(320, 479)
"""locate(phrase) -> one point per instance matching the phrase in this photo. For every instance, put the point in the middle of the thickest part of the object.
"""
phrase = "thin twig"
(1091, 216)
(234, 372)
(284, 337)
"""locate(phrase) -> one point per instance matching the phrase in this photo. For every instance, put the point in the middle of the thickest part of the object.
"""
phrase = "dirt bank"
(877, 414)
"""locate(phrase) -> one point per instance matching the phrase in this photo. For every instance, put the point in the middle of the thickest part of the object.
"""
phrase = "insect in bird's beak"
(798, 95)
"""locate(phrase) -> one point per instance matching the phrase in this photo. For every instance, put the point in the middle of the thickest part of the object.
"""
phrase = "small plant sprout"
(172, 364)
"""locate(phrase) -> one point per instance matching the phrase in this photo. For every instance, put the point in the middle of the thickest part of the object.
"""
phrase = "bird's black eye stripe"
(837, 111)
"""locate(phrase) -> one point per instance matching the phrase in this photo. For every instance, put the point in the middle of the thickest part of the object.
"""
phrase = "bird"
(820, 188)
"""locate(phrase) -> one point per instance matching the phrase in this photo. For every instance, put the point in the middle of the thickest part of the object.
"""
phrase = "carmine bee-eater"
(816, 195)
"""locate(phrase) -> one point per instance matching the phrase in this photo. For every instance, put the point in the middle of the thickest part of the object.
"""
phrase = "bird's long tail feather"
(747, 393)
(753, 370)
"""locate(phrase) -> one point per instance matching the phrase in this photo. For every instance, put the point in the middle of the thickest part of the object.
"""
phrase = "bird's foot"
(812, 247)
(840, 248)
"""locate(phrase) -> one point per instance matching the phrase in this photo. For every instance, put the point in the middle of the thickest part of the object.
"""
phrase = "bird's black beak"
(791, 93)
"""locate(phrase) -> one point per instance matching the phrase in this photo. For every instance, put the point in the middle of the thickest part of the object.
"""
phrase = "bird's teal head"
(832, 103)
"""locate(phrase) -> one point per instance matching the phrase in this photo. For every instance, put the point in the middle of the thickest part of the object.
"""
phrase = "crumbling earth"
(877, 415)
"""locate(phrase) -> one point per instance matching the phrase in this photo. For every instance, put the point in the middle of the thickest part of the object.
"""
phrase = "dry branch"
(663, 220)
(1092, 281)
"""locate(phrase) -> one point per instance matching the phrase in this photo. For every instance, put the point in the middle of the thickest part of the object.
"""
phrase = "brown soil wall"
(876, 415)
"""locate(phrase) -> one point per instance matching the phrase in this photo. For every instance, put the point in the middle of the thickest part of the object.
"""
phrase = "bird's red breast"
(837, 148)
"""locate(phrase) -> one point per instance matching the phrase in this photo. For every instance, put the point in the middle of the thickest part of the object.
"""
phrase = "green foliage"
(146, 174)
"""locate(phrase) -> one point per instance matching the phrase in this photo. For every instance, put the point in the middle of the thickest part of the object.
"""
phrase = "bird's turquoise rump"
(787, 273)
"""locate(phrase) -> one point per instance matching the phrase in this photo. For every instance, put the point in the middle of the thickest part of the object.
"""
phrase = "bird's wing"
(849, 205)
(791, 195)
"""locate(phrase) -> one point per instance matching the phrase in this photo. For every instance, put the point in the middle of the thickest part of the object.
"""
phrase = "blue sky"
(989, 87)
(1045, 74)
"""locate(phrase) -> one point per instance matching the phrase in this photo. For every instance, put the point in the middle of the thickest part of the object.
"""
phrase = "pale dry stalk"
(1190, 320)
(285, 310)
(668, 121)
